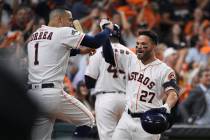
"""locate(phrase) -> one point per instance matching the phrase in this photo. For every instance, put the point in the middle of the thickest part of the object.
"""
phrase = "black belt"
(135, 115)
(104, 92)
(47, 85)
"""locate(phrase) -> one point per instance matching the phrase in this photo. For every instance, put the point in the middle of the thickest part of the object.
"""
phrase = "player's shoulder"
(66, 29)
(164, 67)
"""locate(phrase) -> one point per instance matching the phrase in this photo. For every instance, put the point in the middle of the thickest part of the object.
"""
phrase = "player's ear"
(153, 45)
(59, 20)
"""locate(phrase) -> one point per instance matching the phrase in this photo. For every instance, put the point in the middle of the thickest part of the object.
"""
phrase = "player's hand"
(106, 23)
(86, 50)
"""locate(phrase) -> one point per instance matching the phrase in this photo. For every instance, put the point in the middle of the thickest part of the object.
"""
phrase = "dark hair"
(80, 84)
(152, 35)
(57, 11)
(194, 41)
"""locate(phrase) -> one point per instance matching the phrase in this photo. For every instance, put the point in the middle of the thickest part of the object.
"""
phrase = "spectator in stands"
(38, 21)
(43, 8)
(174, 58)
(11, 48)
(203, 4)
(82, 94)
(196, 108)
(197, 24)
(80, 9)
(147, 15)
(88, 21)
(194, 56)
(159, 51)
(23, 21)
(175, 38)
(5, 13)
(206, 41)
(168, 18)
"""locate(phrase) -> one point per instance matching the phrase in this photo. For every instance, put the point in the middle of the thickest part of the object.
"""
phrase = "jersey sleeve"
(71, 37)
(92, 69)
(169, 76)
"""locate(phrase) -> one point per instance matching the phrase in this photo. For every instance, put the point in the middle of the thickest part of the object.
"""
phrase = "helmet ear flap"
(116, 31)
(155, 121)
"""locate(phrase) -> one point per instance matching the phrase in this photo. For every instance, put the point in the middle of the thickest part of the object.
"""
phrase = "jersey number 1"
(36, 62)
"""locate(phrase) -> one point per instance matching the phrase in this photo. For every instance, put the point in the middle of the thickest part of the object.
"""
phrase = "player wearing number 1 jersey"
(150, 84)
(47, 60)
(109, 88)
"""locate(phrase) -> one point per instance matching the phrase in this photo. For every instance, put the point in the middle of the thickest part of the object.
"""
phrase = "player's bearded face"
(143, 47)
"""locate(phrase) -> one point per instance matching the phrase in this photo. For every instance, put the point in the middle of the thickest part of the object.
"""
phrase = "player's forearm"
(97, 40)
(171, 99)
(108, 53)
(82, 50)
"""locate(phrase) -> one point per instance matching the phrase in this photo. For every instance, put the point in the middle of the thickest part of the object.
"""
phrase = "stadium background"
(183, 27)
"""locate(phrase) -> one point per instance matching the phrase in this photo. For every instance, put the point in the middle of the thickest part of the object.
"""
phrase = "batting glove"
(166, 106)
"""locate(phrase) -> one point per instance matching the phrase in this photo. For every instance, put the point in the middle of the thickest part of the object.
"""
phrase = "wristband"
(168, 109)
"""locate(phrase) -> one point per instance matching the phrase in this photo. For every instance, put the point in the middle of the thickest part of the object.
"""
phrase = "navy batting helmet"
(155, 121)
(116, 31)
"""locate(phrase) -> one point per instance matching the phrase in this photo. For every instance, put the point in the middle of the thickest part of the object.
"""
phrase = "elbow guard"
(172, 83)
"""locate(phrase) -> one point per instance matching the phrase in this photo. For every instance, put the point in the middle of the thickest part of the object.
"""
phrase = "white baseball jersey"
(111, 78)
(48, 60)
(49, 56)
(144, 88)
(108, 106)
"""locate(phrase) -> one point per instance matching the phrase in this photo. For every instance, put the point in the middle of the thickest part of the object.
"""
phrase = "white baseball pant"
(130, 128)
(58, 104)
(108, 108)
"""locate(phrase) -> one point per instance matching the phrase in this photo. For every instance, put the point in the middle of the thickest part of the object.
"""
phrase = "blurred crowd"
(183, 27)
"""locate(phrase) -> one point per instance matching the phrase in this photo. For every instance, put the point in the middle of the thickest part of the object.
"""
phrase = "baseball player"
(150, 84)
(109, 90)
(47, 61)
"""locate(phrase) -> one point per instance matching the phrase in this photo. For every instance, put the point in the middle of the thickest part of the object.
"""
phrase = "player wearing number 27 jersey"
(150, 83)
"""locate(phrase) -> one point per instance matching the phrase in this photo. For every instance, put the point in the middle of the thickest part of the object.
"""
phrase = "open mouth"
(140, 52)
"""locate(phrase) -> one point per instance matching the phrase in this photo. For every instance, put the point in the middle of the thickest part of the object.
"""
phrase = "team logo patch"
(74, 32)
(171, 76)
